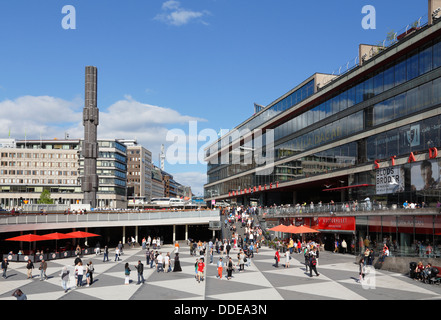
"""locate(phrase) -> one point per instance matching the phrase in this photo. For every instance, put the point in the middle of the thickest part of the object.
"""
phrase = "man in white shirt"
(160, 259)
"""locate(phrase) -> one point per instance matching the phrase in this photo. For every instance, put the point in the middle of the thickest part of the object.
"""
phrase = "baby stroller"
(412, 268)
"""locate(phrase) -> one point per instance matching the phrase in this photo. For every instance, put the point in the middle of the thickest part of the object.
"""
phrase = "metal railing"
(107, 217)
(331, 208)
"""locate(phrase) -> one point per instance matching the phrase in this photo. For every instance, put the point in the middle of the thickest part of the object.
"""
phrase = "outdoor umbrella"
(304, 229)
(28, 238)
(81, 234)
(57, 236)
(281, 228)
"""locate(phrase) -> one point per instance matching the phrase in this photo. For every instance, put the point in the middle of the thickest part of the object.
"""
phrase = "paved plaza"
(260, 281)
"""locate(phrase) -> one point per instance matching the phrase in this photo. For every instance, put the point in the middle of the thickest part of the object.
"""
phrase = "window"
(437, 54)
(412, 66)
(425, 60)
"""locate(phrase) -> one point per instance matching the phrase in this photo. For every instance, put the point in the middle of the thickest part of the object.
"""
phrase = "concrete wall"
(401, 264)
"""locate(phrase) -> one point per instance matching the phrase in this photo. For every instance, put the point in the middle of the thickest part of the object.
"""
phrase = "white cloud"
(127, 118)
(174, 14)
(194, 179)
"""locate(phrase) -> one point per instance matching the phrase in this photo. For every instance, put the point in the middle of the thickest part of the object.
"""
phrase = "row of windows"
(38, 155)
(413, 65)
(418, 136)
(37, 164)
(37, 172)
(416, 99)
(38, 181)
(294, 98)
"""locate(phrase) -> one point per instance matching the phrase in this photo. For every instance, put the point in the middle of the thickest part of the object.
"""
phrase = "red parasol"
(82, 234)
(302, 229)
(281, 228)
(57, 236)
(28, 238)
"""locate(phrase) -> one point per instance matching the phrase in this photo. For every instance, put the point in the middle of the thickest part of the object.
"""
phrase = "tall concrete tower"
(89, 183)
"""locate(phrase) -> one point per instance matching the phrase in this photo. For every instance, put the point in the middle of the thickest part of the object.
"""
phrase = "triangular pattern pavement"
(261, 280)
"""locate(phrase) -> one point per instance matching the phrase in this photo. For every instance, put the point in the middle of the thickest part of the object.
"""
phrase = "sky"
(171, 71)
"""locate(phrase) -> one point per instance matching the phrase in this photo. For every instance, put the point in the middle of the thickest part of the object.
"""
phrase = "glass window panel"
(412, 100)
(425, 60)
(392, 142)
(389, 78)
(368, 89)
(425, 94)
(400, 72)
(378, 83)
(400, 105)
(412, 66)
(436, 91)
(335, 105)
(328, 108)
(389, 110)
(359, 90)
(378, 113)
(343, 100)
(430, 132)
(437, 54)
(351, 97)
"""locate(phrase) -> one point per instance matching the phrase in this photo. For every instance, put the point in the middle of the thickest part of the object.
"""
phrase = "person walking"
(277, 258)
(201, 266)
(220, 267)
(64, 278)
(160, 260)
(89, 273)
(287, 258)
(230, 267)
(241, 258)
(344, 246)
(177, 263)
(127, 273)
(117, 253)
(79, 271)
(106, 254)
(362, 268)
(30, 266)
(5, 265)
(228, 248)
(42, 268)
(167, 266)
(313, 265)
(140, 269)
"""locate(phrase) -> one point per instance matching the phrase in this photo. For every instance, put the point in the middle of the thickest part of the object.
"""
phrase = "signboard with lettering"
(335, 223)
(389, 180)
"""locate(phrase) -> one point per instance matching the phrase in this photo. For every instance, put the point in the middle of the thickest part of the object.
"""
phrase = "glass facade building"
(336, 134)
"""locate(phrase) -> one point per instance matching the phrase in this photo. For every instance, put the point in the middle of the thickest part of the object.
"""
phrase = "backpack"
(313, 261)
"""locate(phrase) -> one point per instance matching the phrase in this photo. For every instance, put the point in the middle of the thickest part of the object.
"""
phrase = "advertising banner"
(335, 223)
(390, 180)
(425, 175)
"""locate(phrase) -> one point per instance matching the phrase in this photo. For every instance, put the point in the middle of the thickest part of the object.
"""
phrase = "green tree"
(45, 197)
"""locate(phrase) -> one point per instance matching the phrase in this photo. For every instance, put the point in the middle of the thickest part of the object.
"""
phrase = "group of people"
(310, 252)
(425, 273)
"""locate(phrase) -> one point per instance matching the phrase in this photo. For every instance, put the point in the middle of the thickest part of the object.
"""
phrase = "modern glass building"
(371, 132)
(349, 135)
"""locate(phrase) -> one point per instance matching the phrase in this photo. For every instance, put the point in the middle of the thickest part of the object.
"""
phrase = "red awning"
(349, 187)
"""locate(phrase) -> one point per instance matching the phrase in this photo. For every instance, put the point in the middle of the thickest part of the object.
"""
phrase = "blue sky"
(164, 63)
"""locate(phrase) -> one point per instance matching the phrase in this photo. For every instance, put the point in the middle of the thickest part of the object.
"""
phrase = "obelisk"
(89, 183)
